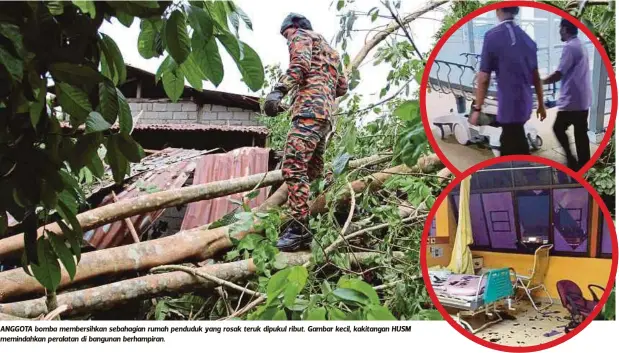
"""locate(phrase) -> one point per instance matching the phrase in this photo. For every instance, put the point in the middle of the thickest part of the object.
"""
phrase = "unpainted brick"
(175, 107)
(225, 116)
(179, 116)
(219, 108)
(160, 107)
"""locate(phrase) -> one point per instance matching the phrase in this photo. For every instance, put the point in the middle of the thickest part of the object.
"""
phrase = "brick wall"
(187, 112)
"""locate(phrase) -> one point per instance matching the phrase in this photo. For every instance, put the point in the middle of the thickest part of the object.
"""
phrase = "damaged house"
(205, 136)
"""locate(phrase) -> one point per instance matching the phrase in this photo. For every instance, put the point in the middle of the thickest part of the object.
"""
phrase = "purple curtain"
(499, 210)
(478, 221)
(607, 245)
(571, 219)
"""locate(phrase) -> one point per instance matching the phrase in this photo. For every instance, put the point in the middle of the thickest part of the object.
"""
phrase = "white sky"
(267, 16)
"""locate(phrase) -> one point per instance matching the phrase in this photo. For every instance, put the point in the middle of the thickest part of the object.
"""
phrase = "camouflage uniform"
(315, 69)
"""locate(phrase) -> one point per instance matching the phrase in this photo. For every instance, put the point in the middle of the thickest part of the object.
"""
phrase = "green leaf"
(75, 75)
(177, 39)
(206, 56)
(379, 312)
(36, 108)
(351, 295)
(75, 239)
(407, 111)
(108, 102)
(161, 310)
(25, 265)
(290, 295)
(56, 8)
(317, 314)
(219, 13)
(129, 147)
(116, 160)
(336, 314)
(64, 254)
(166, 65)
(280, 261)
(419, 76)
(192, 72)
(277, 283)
(249, 64)
(340, 4)
(201, 22)
(280, 315)
(147, 39)
(95, 123)
(173, 84)
(124, 18)
(73, 101)
(113, 55)
(298, 275)
(47, 272)
(124, 113)
(341, 163)
(250, 242)
(13, 33)
(13, 65)
(360, 286)
(86, 7)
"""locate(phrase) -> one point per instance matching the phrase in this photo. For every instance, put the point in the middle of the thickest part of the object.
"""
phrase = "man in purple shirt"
(512, 55)
(574, 96)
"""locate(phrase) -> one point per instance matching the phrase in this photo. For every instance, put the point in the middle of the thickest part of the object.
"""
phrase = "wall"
(162, 111)
(445, 233)
(583, 271)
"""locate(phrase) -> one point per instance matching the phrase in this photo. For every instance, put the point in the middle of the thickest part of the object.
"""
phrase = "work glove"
(271, 105)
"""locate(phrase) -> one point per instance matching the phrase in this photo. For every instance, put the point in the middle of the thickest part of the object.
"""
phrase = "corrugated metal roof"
(156, 161)
(223, 166)
(171, 177)
(259, 130)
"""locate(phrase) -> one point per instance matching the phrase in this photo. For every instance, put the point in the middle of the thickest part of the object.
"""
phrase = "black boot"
(295, 238)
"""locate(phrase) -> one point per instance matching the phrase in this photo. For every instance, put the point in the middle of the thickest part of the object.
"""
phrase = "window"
(478, 219)
(571, 220)
(534, 216)
(606, 246)
(499, 210)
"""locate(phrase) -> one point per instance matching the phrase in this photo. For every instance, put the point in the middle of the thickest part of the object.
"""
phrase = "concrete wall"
(187, 112)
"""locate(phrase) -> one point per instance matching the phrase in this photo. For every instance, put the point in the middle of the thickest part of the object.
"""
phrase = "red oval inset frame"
(609, 70)
(441, 199)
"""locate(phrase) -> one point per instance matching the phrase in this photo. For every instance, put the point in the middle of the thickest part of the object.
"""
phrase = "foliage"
(351, 299)
(602, 174)
(55, 48)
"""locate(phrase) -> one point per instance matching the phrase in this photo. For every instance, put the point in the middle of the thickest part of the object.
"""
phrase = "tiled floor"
(524, 326)
(464, 157)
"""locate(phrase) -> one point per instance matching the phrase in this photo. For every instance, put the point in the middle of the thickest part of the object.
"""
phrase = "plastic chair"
(575, 303)
(535, 281)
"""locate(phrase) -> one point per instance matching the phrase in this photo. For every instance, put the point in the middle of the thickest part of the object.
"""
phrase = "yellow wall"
(445, 229)
(582, 270)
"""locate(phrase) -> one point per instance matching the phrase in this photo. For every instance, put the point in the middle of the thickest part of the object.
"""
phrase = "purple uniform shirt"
(512, 55)
(575, 92)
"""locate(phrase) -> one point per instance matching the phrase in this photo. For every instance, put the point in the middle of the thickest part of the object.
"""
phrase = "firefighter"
(315, 70)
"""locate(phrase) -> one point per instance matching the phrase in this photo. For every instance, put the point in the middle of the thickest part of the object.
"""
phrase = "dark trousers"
(513, 140)
(579, 120)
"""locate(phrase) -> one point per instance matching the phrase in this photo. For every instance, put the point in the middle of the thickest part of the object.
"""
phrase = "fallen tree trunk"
(164, 199)
(110, 295)
(5, 317)
(191, 245)
(123, 209)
